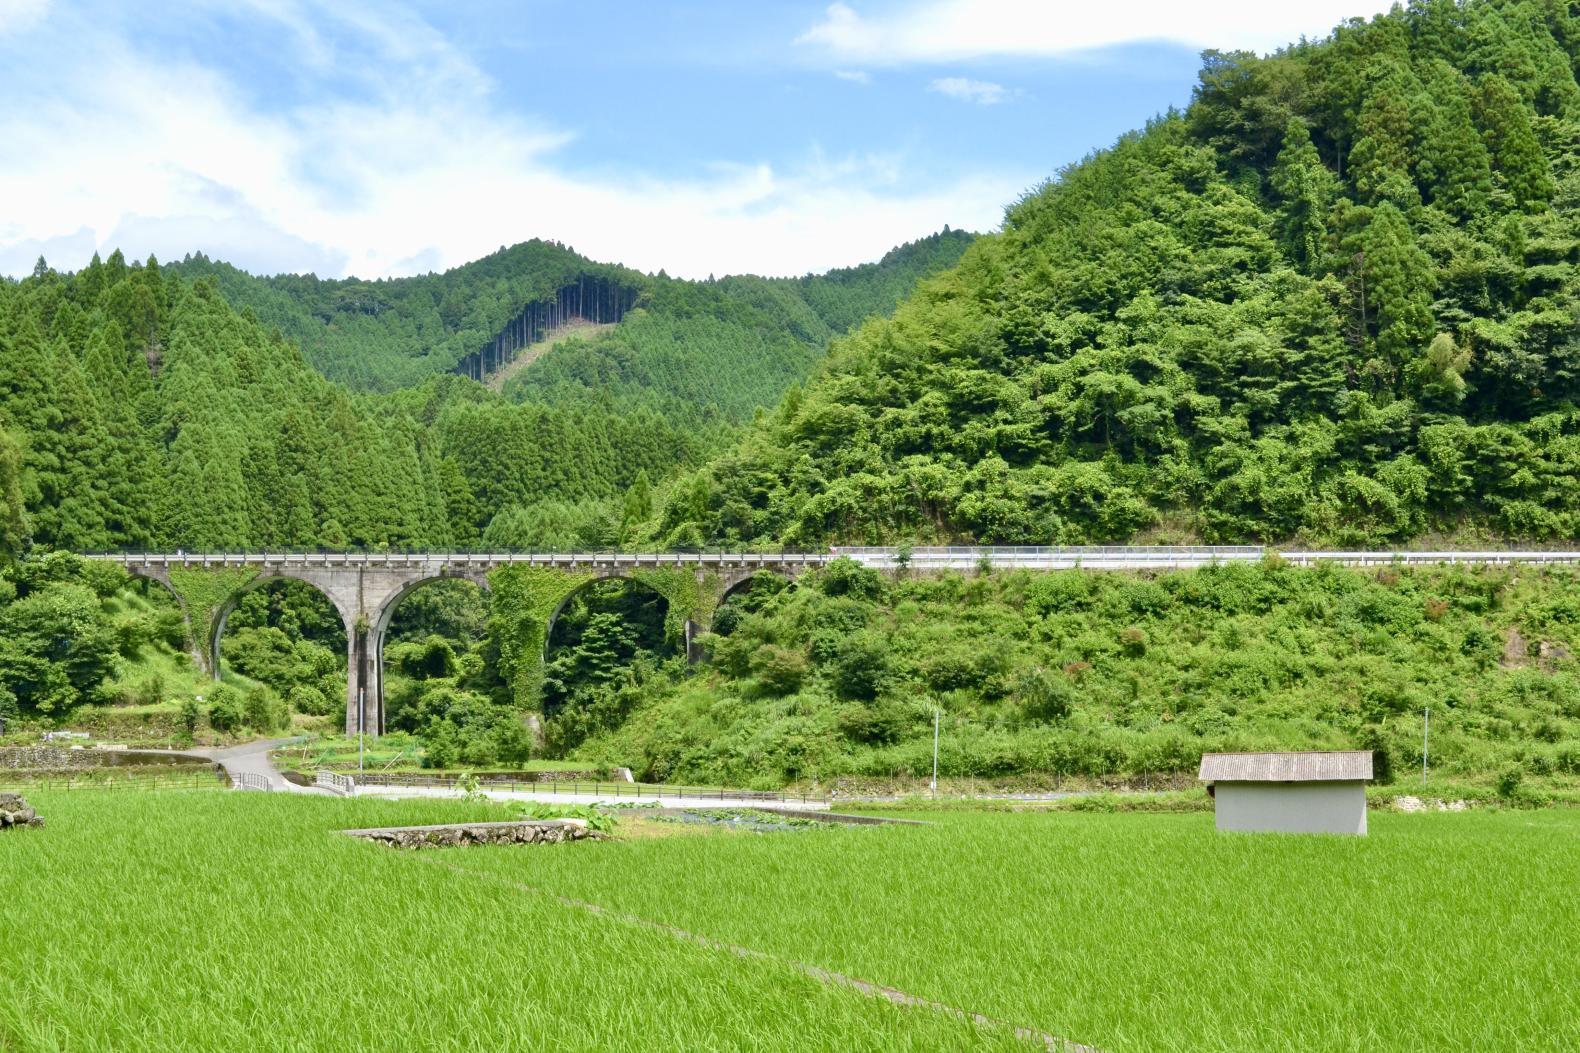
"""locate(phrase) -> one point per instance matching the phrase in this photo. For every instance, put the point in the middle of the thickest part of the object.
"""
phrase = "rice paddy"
(205, 920)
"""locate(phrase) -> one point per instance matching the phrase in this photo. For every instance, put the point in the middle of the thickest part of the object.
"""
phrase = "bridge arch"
(223, 612)
(162, 578)
(378, 632)
(738, 585)
(588, 648)
(591, 581)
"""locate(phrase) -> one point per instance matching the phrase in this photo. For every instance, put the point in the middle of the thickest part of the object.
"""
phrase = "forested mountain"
(393, 333)
(141, 408)
(382, 335)
(148, 412)
(1332, 300)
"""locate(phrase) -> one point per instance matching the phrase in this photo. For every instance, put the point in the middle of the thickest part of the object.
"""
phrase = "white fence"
(964, 557)
(247, 780)
(333, 780)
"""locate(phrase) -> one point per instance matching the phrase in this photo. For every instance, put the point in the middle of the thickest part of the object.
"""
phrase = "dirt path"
(533, 352)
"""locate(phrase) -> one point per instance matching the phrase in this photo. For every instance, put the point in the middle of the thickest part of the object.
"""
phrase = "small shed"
(1295, 793)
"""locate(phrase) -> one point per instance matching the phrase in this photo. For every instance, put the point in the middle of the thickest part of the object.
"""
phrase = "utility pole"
(935, 752)
(1426, 739)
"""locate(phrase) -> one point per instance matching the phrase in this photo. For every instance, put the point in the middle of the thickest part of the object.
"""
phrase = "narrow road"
(249, 758)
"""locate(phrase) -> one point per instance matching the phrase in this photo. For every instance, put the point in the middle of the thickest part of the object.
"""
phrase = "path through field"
(529, 355)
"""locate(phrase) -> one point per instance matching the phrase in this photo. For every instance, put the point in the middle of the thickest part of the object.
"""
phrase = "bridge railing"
(464, 559)
(1241, 551)
(333, 780)
(1370, 559)
(246, 780)
(938, 557)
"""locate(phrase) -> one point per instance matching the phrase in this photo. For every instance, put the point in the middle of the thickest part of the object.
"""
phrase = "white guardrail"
(247, 780)
(333, 780)
(1090, 557)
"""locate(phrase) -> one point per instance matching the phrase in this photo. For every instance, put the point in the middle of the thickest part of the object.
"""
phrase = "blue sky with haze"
(698, 137)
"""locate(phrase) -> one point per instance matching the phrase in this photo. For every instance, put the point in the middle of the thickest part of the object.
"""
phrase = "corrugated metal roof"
(1286, 767)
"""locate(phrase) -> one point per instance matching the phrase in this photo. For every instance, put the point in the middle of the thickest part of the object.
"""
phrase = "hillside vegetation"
(392, 333)
(1107, 676)
(1333, 300)
(139, 408)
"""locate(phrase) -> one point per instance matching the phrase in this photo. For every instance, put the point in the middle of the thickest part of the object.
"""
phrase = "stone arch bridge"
(527, 591)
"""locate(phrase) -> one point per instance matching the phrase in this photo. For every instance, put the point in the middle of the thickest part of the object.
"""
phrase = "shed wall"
(1294, 808)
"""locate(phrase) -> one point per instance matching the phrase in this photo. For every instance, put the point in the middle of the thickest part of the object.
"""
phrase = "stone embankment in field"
(526, 832)
(14, 811)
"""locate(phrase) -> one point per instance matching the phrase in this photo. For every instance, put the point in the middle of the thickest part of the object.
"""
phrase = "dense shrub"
(1085, 674)
(778, 670)
(860, 667)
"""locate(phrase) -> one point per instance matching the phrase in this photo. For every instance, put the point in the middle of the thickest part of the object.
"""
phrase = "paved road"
(249, 758)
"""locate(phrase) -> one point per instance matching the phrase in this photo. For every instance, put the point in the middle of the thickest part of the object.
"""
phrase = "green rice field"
(218, 920)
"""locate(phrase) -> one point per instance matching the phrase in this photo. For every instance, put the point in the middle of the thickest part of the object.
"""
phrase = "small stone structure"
(452, 835)
(1293, 793)
(46, 758)
(14, 811)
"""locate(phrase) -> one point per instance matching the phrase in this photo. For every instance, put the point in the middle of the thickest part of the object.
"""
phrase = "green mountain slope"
(1333, 300)
(147, 412)
(382, 335)
(388, 334)
(140, 407)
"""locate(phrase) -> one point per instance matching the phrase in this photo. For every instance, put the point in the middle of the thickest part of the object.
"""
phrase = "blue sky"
(698, 137)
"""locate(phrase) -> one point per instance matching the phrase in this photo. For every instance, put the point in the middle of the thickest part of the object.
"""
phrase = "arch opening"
(153, 636)
(280, 651)
(745, 597)
(603, 641)
(436, 672)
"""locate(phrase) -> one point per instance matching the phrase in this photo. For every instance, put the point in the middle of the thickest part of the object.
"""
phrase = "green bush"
(876, 725)
(190, 714)
(778, 670)
(305, 698)
(846, 577)
(262, 710)
(151, 690)
(860, 667)
(441, 748)
(1509, 779)
(225, 713)
(1044, 696)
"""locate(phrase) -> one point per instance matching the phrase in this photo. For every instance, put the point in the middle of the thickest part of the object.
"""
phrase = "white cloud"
(17, 16)
(855, 76)
(981, 92)
(113, 148)
(951, 30)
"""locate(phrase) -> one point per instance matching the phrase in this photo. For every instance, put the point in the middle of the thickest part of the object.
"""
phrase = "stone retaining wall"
(46, 758)
(527, 832)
